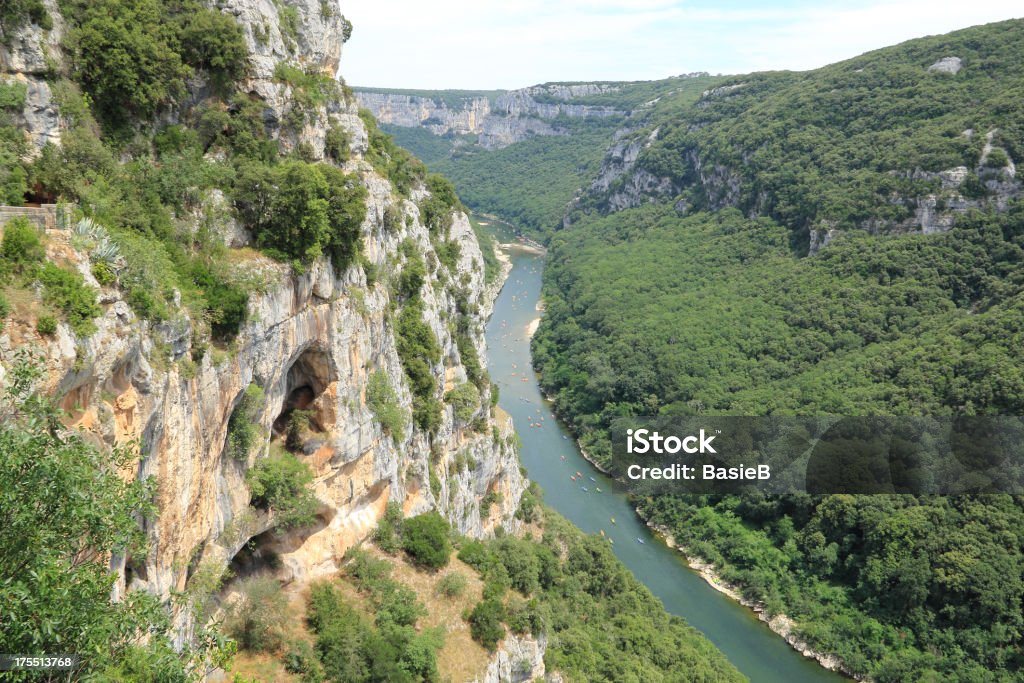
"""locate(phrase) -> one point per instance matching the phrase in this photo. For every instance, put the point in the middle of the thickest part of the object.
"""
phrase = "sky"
(505, 44)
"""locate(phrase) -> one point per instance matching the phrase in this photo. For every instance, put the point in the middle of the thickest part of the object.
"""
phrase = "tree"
(126, 57)
(21, 245)
(256, 620)
(425, 538)
(485, 623)
(284, 484)
(214, 41)
(66, 511)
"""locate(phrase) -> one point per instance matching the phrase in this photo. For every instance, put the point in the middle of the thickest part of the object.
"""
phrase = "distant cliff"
(498, 118)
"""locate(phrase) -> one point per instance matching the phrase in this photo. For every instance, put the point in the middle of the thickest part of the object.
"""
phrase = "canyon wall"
(498, 118)
(311, 339)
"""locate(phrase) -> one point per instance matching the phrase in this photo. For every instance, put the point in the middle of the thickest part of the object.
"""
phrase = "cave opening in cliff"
(255, 557)
(304, 413)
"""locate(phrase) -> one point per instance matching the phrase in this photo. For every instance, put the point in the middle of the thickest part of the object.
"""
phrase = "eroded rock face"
(518, 659)
(947, 65)
(323, 332)
(499, 121)
(313, 338)
(26, 57)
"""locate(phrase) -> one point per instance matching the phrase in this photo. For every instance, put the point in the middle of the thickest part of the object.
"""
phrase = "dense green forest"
(529, 183)
(852, 144)
(695, 305)
(140, 158)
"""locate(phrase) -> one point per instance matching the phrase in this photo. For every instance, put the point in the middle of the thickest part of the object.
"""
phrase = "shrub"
(21, 245)
(337, 143)
(426, 540)
(387, 535)
(16, 13)
(452, 585)
(418, 349)
(436, 210)
(284, 485)
(397, 604)
(448, 252)
(46, 325)
(520, 562)
(104, 273)
(5, 308)
(383, 401)
(13, 186)
(489, 499)
(465, 399)
(125, 56)
(529, 504)
(298, 425)
(476, 555)
(485, 623)
(412, 277)
(243, 431)
(257, 619)
(302, 210)
(300, 658)
(214, 41)
(997, 158)
(67, 291)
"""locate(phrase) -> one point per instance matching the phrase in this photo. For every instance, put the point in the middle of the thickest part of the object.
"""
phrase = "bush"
(436, 210)
(16, 13)
(476, 555)
(46, 325)
(125, 56)
(284, 485)
(300, 658)
(489, 499)
(104, 273)
(215, 41)
(243, 432)
(257, 619)
(418, 349)
(67, 291)
(383, 401)
(5, 308)
(302, 210)
(14, 186)
(337, 143)
(388, 533)
(412, 277)
(21, 245)
(465, 399)
(425, 539)
(452, 585)
(997, 158)
(485, 623)
(298, 425)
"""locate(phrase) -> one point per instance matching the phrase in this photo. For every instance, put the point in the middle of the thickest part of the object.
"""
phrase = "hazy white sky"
(487, 44)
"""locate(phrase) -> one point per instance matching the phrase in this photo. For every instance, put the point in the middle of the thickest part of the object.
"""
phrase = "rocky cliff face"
(499, 120)
(313, 337)
(27, 57)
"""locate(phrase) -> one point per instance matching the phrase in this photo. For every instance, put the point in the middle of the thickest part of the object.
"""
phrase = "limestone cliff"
(311, 338)
(498, 118)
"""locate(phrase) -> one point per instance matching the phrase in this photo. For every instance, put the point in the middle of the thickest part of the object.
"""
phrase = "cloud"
(512, 43)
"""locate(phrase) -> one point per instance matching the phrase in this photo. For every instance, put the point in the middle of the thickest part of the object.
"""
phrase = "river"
(550, 456)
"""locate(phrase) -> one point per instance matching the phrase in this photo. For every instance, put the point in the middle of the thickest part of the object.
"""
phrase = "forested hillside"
(240, 326)
(692, 292)
(532, 182)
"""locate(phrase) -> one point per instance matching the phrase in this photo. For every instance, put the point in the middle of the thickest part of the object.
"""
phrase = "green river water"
(550, 456)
